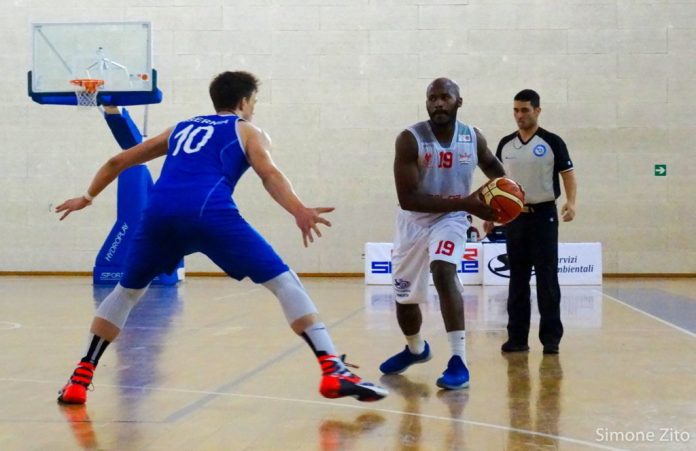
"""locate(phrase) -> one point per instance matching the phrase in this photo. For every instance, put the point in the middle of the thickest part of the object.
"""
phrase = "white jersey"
(444, 171)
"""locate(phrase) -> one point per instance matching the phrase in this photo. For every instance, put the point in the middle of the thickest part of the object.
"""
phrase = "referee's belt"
(541, 206)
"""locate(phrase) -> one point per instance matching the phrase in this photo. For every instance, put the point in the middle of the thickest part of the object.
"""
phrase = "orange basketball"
(505, 196)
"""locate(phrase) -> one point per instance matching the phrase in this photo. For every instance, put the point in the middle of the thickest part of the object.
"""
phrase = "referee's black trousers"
(532, 241)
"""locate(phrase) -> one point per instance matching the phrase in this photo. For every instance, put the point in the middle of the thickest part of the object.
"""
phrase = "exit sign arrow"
(660, 170)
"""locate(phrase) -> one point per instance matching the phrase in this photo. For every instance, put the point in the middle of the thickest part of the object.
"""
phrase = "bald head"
(443, 101)
(444, 84)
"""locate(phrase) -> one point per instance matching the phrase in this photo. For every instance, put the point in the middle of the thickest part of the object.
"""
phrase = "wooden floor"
(211, 365)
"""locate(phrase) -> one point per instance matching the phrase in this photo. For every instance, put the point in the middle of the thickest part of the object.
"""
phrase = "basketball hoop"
(86, 91)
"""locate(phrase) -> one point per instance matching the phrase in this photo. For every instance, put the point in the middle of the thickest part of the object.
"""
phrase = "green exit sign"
(660, 170)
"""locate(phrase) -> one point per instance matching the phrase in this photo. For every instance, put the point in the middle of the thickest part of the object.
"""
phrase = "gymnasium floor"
(211, 365)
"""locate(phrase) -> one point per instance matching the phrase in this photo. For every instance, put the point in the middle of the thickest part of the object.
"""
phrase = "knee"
(407, 309)
(118, 304)
(444, 274)
(131, 295)
(292, 296)
(126, 296)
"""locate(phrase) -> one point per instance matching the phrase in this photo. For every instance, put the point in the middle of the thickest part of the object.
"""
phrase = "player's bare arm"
(570, 187)
(258, 144)
(408, 189)
(139, 154)
(490, 165)
(487, 160)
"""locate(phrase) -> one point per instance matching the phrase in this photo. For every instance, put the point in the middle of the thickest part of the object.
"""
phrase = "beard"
(441, 117)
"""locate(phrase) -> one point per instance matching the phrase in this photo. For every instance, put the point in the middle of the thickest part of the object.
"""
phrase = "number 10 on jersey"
(184, 139)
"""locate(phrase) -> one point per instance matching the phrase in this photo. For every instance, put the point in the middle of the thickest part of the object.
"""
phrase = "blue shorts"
(160, 243)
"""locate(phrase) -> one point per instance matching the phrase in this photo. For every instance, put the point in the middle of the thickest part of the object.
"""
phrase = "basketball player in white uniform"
(433, 169)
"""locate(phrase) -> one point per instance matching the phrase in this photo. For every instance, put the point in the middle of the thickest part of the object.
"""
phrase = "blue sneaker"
(398, 363)
(456, 375)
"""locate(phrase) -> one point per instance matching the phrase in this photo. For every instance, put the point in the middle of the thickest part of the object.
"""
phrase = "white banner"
(578, 264)
(378, 265)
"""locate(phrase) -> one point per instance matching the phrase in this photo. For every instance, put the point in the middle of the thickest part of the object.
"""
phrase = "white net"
(85, 99)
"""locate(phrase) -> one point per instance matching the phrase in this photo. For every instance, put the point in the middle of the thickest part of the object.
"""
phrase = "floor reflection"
(456, 401)
(548, 401)
(80, 424)
(143, 338)
(485, 307)
(336, 434)
(413, 393)
(137, 349)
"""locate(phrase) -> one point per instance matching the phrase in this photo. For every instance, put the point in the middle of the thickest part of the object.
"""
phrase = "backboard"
(119, 53)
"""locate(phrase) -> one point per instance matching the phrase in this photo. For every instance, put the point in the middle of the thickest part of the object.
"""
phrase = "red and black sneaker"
(75, 391)
(337, 381)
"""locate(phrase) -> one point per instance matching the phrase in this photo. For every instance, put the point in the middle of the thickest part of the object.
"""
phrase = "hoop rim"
(90, 84)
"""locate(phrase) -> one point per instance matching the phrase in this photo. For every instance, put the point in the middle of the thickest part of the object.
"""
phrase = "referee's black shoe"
(550, 349)
(510, 346)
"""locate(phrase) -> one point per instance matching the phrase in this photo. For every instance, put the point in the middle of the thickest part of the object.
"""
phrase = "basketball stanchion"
(103, 67)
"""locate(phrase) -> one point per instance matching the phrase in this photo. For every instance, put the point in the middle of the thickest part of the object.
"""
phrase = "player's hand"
(487, 227)
(308, 219)
(568, 212)
(477, 207)
(70, 205)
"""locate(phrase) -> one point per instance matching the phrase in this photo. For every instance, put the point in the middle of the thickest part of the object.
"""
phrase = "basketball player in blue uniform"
(191, 209)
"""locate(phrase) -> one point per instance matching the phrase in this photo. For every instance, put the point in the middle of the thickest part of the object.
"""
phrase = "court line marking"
(186, 410)
(650, 315)
(336, 404)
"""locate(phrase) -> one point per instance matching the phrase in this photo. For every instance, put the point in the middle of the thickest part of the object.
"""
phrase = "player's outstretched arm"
(142, 153)
(258, 144)
(408, 189)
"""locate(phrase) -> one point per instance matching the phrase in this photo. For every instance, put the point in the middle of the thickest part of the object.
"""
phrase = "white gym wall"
(341, 78)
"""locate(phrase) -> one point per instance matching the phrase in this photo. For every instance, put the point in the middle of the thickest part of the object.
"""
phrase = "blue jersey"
(204, 163)
(191, 208)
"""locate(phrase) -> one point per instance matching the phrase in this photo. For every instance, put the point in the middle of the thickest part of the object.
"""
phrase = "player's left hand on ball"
(308, 219)
(477, 207)
(70, 205)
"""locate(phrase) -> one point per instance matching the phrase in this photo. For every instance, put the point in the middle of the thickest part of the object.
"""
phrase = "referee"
(534, 158)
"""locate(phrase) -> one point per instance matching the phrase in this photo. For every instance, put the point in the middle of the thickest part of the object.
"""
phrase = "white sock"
(319, 339)
(415, 344)
(457, 339)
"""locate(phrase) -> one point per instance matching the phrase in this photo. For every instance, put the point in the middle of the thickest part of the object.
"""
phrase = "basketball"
(505, 196)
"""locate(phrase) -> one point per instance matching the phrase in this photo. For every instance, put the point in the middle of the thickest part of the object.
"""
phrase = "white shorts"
(417, 243)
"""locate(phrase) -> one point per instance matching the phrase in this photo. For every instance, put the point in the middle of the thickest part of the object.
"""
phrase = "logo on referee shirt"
(539, 150)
